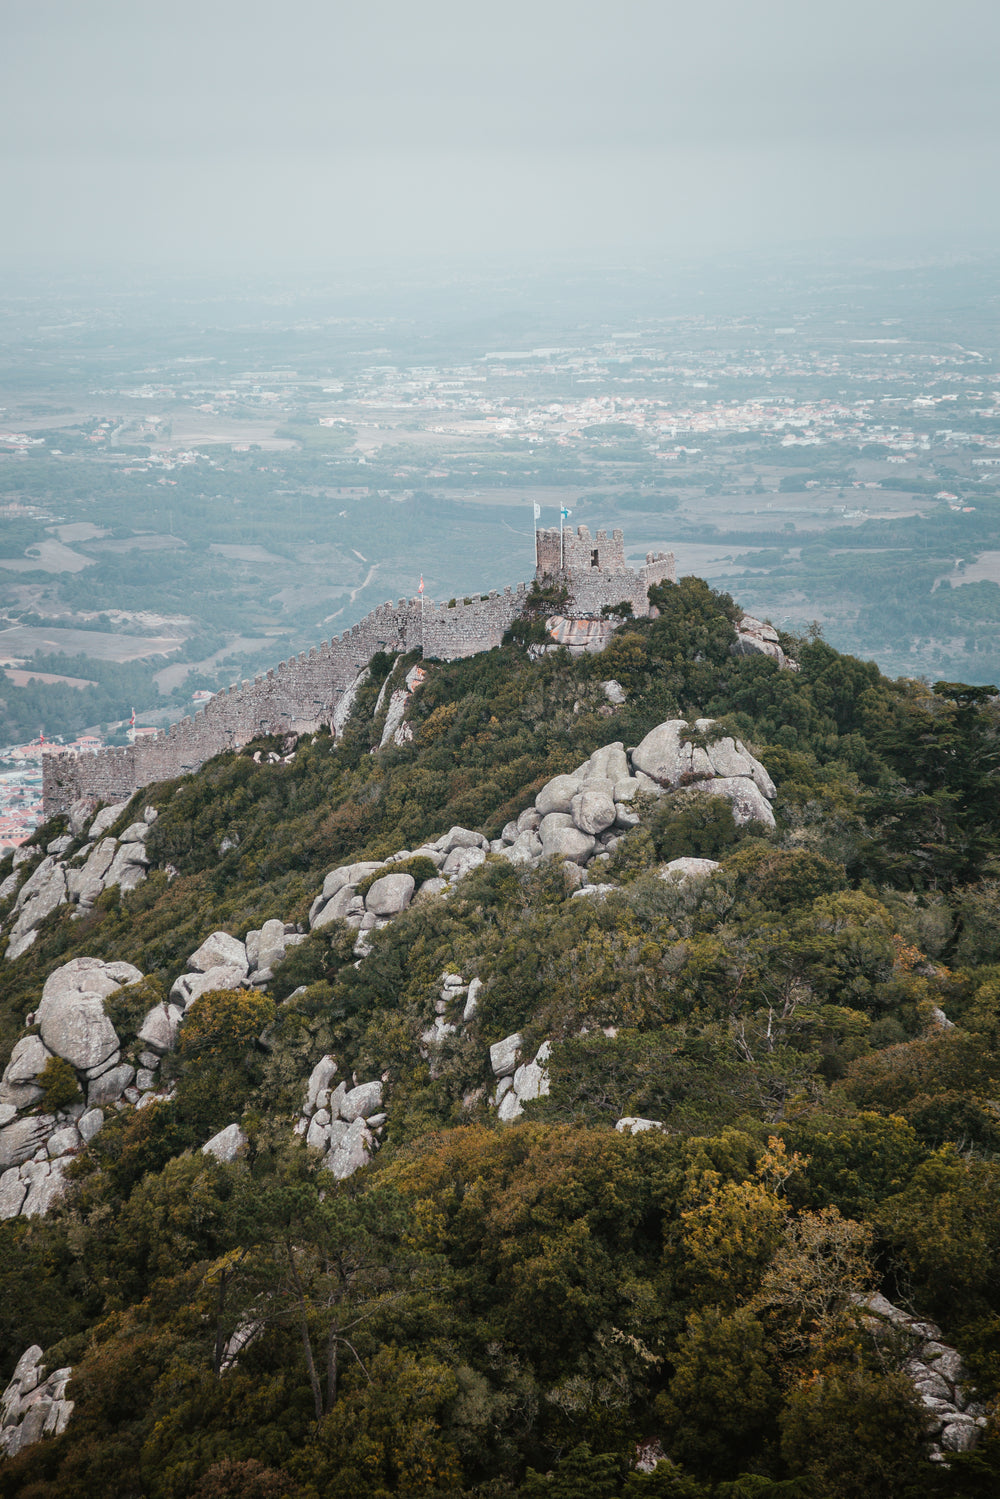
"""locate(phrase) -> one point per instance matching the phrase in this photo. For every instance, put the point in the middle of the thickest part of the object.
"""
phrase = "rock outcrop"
(34, 1404)
(344, 1122)
(74, 1027)
(955, 1419)
(80, 878)
(754, 637)
(518, 1082)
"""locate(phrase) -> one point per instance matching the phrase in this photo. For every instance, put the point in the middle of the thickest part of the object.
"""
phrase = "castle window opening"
(593, 558)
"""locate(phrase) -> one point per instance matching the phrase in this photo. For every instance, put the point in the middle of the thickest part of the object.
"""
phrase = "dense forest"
(512, 1310)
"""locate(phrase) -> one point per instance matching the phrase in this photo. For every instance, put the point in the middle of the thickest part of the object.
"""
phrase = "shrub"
(59, 1086)
(421, 867)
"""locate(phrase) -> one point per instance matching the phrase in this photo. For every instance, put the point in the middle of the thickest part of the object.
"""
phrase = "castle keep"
(302, 694)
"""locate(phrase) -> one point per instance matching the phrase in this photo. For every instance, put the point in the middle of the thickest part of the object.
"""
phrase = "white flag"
(538, 512)
(565, 513)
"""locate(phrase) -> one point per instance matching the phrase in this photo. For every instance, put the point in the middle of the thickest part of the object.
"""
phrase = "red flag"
(131, 722)
(421, 588)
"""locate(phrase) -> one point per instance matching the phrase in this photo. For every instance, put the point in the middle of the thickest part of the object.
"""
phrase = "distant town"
(21, 773)
(183, 510)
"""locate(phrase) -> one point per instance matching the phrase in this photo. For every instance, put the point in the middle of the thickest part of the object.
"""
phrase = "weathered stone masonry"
(300, 695)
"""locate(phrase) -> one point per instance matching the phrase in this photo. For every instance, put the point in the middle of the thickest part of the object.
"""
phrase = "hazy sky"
(253, 132)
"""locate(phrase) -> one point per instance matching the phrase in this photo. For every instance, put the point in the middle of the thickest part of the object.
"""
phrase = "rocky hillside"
(578, 1078)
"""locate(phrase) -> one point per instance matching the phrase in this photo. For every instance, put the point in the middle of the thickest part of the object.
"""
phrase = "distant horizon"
(241, 136)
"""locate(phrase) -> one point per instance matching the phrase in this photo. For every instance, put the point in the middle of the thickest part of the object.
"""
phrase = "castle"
(302, 695)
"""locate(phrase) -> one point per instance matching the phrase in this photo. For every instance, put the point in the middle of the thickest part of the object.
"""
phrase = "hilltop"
(649, 1150)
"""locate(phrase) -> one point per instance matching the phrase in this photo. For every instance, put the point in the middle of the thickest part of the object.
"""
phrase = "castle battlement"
(300, 695)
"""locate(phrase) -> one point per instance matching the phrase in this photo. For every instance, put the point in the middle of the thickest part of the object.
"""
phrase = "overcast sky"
(248, 132)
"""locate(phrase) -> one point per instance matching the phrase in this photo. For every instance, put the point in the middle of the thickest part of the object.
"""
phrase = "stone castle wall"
(300, 695)
(466, 629)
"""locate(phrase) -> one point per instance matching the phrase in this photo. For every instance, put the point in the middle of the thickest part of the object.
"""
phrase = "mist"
(250, 136)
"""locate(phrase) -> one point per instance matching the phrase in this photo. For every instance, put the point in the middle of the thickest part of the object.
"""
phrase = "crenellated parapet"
(451, 631)
(301, 695)
(595, 571)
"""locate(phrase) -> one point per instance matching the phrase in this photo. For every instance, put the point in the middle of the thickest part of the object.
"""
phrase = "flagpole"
(561, 569)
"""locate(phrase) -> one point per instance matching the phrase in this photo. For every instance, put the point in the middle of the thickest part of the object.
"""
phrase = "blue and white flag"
(538, 512)
(565, 513)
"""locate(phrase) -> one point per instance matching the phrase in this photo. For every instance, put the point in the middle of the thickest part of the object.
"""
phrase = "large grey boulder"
(510, 1107)
(71, 1011)
(80, 813)
(127, 867)
(227, 1144)
(105, 819)
(592, 810)
(460, 838)
(38, 897)
(730, 757)
(109, 1087)
(610, 763)
(688, 869)
(557, 795)
(569, 842)
(392, 893)
(90, 1124)
(26, 1061)
(159, 1029)
(632, 1125)
(361, 1102)
(20, 1140)
(220, 950)
(62, 1141)
(747, 801)
(666, 756)
(136, 832)
(338, 907)
(272, 944)
(13, 1191)
(462, 860)
(352, 1151)
(531, 1081)
(99, 859)
(45, 1184)
(504, 1055)
(20, 944)
(191, 986)
(526, 848)
(320, 1078)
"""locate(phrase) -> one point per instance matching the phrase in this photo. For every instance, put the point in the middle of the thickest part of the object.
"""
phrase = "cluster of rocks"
(938, 1375)
(394, 730)
(34, 1404)
(581, 816)
(80, 878)
(344, 1122)
(71, 1024)
(224, 962)
(453, 855)
(755, 637)
(455, 1006)
(517, 1081)
(578, 817)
